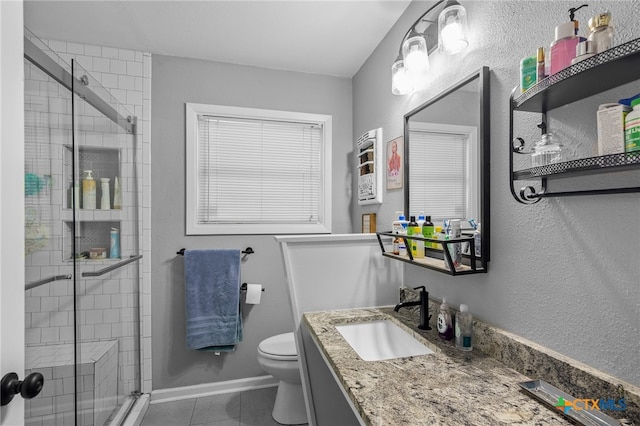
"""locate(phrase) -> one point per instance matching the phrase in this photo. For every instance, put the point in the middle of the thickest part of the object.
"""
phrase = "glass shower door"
(82, 299)
(103, 164)
(49, 301)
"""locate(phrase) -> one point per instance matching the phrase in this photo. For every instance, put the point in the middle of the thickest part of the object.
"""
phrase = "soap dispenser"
(445, 326)
(563, 49)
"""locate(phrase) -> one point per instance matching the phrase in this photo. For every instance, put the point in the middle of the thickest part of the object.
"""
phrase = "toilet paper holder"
(243, 287)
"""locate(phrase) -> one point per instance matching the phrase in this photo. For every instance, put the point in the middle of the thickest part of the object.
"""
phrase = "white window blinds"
(258, 171)
(438, 172)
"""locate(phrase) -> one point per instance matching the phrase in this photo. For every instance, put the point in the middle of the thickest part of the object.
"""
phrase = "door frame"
(12, 308)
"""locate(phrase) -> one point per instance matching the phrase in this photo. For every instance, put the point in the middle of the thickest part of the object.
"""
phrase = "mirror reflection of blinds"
(438, 174)
(258, 171)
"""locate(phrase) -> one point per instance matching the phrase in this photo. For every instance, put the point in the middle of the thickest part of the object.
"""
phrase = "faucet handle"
(422, 287)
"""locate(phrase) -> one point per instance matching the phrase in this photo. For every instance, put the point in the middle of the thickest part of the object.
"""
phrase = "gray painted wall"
(564, 272)
(175, 82)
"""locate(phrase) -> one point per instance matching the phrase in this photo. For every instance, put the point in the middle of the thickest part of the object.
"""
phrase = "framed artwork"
(368, 223)
(395, 150)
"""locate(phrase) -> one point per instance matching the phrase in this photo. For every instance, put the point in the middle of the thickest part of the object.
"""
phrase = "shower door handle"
(28, 388)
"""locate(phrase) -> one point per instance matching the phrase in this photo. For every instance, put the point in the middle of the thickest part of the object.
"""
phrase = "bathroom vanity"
(447, 386)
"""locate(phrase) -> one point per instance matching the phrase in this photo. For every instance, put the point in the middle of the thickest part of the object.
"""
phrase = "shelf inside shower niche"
(104, 162)
(89, 235)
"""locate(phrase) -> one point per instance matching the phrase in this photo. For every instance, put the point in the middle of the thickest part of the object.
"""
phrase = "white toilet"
(277, 356)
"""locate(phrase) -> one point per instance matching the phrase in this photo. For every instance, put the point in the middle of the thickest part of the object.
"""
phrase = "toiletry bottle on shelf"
(114, 251)
(74, 195)
(398, 228)
(455, 249)
(428, 231)
(105, 200)
(88, 190)
(477, 241)
(601, 32)
(117, 195)
(438, 234)
(632, 128)
(540, 65)
(528, 72)
(464, 329)
(445, 324)
(563, 48)
(417, 246)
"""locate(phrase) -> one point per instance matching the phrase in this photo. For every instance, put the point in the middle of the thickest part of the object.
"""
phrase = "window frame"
(192, 111)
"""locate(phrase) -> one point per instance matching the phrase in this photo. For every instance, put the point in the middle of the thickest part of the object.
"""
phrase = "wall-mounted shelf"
(435, 258)
(607, 70)
(369, 167)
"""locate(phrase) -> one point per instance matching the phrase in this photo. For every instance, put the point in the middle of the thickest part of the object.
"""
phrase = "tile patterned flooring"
(247, 408)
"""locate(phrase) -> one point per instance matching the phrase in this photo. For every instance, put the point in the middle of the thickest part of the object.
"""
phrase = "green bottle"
(427, 232)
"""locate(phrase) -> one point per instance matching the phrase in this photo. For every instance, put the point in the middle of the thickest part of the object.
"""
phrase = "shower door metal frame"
(62, 76)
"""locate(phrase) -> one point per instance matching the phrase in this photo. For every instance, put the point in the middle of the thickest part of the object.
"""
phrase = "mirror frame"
(484, 153)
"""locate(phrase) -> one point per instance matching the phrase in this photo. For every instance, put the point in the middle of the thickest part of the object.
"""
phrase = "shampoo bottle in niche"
(88, 190)
(445, 326)
(105, 200)
(563, 49)
(114, 251)
(464, 329)
(117, 195)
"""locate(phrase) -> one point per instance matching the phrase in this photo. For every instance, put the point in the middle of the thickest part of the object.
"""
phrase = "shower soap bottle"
(105, 201)
(88, 190)
(114, 251)
(117, 195)
(445, 326)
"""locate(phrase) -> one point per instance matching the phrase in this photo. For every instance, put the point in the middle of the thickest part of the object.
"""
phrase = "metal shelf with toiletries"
(604, 71)
(437, 259)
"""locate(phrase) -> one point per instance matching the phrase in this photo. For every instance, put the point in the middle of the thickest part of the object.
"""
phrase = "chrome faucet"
(424, 307)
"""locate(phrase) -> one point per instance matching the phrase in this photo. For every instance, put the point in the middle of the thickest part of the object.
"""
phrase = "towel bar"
(248, 250)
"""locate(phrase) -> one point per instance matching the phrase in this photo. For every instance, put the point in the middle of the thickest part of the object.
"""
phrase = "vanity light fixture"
(409, 70)
(452, 27)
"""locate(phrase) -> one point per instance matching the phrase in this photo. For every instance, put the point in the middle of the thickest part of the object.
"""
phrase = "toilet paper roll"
(254, 293)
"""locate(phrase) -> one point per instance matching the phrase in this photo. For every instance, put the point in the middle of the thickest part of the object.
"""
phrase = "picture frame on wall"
(395, 149)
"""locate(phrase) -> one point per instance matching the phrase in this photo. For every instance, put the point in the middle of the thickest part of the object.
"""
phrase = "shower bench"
(97, 383)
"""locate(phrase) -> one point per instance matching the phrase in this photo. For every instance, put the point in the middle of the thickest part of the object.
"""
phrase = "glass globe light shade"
(414, 53)
(452, 29)
(399, 79)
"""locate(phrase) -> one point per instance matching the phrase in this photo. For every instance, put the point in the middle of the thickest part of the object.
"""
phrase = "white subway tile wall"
(108, 306)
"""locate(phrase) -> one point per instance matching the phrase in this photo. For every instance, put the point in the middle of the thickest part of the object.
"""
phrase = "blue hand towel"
(212, 299)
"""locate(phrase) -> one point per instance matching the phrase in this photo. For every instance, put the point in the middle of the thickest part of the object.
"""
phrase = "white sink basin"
(379, 340)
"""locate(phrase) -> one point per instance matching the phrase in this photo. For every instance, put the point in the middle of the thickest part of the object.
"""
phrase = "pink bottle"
(563, 49)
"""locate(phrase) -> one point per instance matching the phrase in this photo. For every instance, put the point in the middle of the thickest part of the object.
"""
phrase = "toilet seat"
(281, 347)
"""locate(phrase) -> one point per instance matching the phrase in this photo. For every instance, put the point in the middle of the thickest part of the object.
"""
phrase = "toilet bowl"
(277, 356)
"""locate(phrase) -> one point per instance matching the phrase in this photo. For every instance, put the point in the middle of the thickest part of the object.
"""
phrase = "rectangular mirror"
(446, 157)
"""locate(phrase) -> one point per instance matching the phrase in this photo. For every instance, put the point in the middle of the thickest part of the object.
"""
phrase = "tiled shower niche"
(104, 162)
(90, 235)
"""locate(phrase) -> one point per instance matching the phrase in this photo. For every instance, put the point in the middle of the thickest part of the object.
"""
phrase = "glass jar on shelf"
(546, 151)
(601, 32)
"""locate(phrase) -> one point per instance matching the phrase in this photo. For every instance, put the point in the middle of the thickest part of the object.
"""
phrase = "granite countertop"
(446, 387)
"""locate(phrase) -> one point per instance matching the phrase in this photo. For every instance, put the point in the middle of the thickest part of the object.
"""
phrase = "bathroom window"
(255, 171)
(443, 173)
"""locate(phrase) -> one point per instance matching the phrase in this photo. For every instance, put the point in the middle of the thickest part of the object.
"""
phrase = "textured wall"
(563, 272)
(180, 80)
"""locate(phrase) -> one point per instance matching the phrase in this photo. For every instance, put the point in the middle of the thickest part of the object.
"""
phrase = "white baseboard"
(216, 388)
